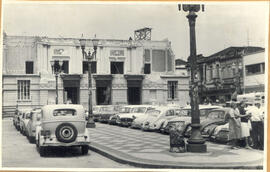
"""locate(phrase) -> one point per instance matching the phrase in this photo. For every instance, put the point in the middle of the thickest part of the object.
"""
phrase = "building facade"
(254, 75)
(221, 74)
(123, 72)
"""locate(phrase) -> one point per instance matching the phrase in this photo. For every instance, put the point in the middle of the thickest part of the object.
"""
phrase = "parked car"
(220, 133)
(183, 117)
(126, 119)
(24, 119)
(34, 121)
(17, 117)
(123, 109)
(214, 118)
(156, 118)
(96, 112)
(62, 125)
(106, 112)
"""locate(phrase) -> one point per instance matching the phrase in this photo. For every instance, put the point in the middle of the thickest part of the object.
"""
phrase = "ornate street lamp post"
(196, 143)
(89, 56)
(56, 69)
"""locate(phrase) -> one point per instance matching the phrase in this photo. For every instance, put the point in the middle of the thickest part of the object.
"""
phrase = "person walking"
(234, 125)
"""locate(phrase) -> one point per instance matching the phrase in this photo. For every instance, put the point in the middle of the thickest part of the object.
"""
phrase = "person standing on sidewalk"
(234, 125)
(245, 129)
(257, 131)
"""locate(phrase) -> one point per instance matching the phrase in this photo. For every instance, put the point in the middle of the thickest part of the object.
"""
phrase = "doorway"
(71, 93)
(103, 92)
(71, 89)
(134, 95)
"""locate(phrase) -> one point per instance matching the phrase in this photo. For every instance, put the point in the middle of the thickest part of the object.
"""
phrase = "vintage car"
(96, 112)
(183, 117)
(123, 109)
(18, 116)
(126, 119)
(106, 112)
(214, 118)
(157, 117)
(25, 117)
(220, 133)
(34, 121)
(62, 125)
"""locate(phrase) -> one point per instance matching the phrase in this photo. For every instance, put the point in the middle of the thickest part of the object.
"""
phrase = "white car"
(62, 125)
(156, 118)
(126, 119)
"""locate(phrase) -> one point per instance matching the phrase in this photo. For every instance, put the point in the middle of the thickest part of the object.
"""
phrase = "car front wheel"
(85, 149)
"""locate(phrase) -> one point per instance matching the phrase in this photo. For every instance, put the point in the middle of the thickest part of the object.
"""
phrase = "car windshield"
(182, 112)
(124, 110)
(107, 109)
(154, 113)
(216, 115)
(64, 112)
(138, 109)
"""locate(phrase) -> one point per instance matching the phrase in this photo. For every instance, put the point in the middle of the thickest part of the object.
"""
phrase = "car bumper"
(125, 124)
(149, 128)
(136, 125)
(54, 142)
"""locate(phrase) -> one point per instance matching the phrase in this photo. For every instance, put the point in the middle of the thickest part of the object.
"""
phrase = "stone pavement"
(151, 150)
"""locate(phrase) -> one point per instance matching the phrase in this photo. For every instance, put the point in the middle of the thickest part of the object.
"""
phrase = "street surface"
(18, 152)
(151, 149)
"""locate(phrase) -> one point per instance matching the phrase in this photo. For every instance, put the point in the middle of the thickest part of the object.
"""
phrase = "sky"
(220, 26)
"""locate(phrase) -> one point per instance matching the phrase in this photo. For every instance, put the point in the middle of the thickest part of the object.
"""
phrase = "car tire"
(66, 133)
(42, 151)
(85, 149)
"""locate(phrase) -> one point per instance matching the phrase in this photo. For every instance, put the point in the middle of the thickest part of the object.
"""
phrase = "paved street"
(124, 145)
(150, 149)
(18, 152)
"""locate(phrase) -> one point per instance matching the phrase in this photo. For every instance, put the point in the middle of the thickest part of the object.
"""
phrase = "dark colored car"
(184, 117)
(106, 112)
(214, 118)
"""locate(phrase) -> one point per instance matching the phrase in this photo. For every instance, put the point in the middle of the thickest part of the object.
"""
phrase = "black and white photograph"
(134, 85)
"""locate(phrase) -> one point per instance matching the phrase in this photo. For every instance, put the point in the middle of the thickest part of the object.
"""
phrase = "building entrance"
(134, 95)
(134, 89)
(71, 94)
(103, 92)
(71, 88)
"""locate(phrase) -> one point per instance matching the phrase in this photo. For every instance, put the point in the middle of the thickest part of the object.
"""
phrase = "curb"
(141, 164)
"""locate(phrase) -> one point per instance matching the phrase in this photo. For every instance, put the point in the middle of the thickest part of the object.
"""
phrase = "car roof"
(201, 107)
(68, 106)
(163, 108)
(221, 109)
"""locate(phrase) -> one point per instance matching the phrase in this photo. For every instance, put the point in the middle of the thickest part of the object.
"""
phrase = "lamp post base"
(90, 123)
(196, 143)
(199, 148)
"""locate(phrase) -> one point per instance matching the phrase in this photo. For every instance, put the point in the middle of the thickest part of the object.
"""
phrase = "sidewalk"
(151, 150)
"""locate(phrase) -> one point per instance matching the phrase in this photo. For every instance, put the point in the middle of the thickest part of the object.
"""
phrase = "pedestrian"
(234, 125)
(257, 126)
(245, 128)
